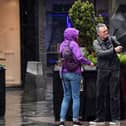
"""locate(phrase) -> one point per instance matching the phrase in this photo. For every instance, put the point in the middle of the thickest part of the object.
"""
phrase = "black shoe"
(76, 123)
(97, 122)
(61, 124)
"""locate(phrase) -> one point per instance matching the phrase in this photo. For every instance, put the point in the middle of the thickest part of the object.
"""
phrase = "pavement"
(20, 113)
(39, 113)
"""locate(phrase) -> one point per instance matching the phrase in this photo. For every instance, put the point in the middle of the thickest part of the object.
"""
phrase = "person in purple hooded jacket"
(71, 80)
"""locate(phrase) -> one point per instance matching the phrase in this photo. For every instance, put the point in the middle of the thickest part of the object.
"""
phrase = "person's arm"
(117, 46)
(78, 54)
(115, 41)
(102, 53)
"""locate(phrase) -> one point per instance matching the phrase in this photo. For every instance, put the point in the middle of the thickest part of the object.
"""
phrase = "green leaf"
(82, 15)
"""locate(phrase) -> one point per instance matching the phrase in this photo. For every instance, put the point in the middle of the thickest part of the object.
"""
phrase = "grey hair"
(100, 25)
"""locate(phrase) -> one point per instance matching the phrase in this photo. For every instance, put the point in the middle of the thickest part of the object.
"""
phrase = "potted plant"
(82, 16)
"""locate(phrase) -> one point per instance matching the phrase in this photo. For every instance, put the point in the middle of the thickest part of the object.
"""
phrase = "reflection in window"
(55, 25)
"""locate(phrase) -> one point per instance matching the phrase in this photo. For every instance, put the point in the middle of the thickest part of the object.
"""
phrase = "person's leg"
(101, 89)
(66, 96)
(107, 104)
(75, 84)
(115, 95)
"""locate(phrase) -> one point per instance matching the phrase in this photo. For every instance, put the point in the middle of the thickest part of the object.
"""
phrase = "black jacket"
(106, 55)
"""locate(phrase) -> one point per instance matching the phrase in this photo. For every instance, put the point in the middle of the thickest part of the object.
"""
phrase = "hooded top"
(70, 35)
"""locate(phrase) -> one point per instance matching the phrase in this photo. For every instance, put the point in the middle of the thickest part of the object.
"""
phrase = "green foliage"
(82, 15)
(122, 58)
(2, 66)
(92, 59)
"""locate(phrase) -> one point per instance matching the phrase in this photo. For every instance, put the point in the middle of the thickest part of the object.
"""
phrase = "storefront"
(32, 30)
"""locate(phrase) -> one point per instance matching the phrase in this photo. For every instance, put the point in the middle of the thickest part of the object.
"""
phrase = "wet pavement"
(20, 113)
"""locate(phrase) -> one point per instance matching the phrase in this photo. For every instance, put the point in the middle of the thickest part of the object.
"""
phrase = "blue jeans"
(71, 88)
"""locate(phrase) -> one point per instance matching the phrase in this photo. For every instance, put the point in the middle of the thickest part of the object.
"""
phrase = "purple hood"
(71, 34)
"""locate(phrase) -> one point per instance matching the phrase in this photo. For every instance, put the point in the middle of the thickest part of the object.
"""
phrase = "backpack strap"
(68, 45)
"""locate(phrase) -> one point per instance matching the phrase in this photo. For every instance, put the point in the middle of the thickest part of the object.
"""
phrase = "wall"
(10, 40)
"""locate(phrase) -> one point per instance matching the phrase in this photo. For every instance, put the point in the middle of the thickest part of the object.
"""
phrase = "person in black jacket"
(108, 75)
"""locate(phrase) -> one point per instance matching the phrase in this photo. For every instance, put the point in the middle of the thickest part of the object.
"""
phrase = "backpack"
(69, 61)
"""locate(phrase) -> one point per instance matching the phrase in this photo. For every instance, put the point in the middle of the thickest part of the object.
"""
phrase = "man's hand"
(118, 49)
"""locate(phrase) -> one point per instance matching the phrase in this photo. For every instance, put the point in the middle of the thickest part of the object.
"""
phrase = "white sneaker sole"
(114, 123)
(97, 123)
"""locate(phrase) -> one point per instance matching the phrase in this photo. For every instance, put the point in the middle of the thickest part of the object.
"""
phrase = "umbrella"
(118, 24)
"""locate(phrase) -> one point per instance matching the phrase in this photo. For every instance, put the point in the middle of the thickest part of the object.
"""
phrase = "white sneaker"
(117, 123)
(97, 122)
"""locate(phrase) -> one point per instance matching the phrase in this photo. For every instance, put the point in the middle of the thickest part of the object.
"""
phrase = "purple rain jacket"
(70, 35)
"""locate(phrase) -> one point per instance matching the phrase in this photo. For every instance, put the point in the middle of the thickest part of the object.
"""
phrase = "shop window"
(55, 25)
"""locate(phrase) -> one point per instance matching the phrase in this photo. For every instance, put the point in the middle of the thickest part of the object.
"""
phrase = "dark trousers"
(108, 95)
